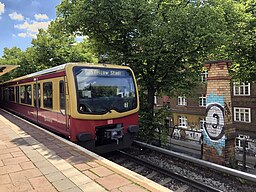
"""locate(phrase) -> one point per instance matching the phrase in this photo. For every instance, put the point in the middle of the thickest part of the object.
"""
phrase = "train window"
(26, 94)
(6, 93)
(62, 97)
(1, 93)
(47, 95)
(37, 95)
(11, 94)
(101, 90)
(17, 94)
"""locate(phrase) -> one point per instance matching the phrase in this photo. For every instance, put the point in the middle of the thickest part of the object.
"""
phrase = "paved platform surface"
(32, 159)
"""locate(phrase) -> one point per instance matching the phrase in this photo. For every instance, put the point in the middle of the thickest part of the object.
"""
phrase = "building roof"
(7, 68)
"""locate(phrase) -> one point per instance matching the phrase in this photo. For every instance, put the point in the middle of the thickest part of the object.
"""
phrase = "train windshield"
(100, 90)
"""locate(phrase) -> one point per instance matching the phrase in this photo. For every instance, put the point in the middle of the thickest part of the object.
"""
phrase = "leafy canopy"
(163, 41)
(50, 48)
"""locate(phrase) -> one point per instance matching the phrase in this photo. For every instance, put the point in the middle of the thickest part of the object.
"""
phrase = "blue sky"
(21, 19)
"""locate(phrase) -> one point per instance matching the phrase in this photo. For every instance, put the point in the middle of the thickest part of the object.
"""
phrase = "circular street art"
(214, 125)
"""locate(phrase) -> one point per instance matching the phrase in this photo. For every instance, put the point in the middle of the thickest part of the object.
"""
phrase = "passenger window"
(6, 93)
(26, 94)
(11, 94)
(17, 95)
(47, 95)
(37, 95)
(62, 97)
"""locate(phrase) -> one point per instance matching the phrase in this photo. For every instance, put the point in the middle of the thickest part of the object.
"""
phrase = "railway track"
(180, 174)
(212, 166)
(163, 176)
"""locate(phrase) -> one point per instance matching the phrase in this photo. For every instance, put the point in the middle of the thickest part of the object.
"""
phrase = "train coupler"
(114, 134)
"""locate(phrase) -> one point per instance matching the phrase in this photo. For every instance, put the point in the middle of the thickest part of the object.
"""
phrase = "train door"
(37, 102)
(62, 115)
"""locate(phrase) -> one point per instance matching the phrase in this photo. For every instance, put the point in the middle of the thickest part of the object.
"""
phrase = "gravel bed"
(213, 178)
(152, 175)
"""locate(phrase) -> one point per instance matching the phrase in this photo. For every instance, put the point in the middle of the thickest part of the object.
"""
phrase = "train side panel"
(36, 105)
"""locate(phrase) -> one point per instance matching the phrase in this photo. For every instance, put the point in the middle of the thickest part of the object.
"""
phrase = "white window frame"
(182, 100)
(202, 122)
(202, 100)
(183, 122)
(204, 76)
(239, 142)
(155, 100)
(240, 89)
(240, 114)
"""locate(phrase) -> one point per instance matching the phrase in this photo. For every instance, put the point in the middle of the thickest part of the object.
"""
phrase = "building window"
(183, 121)
(155, 100)
(26, 94)
(47, 93)
(202, 100)
(242, 114)
(182, 100)
(204, 76)
(239, 141)
(167, 122)
(241, 89)
(202, 122)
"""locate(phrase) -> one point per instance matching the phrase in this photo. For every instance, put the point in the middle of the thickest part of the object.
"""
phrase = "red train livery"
(94, 105)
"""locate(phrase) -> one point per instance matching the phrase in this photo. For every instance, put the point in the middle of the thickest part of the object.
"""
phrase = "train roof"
(62, 67)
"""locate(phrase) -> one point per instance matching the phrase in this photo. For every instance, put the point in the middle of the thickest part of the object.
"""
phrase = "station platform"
(33, 159)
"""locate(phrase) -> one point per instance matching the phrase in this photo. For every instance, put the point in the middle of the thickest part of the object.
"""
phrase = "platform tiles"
(33, 159)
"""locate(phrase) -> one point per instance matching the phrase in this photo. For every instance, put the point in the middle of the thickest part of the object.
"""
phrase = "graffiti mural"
(214, 127)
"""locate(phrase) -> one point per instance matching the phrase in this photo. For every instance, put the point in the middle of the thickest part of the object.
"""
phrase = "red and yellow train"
(94, 105)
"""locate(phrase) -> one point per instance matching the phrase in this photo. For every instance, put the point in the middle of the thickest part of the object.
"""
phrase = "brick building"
(190, 111)
(244, 112)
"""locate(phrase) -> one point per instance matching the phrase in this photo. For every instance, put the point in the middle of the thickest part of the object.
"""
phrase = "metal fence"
(182, 140)
(246, 153)
(190, 142)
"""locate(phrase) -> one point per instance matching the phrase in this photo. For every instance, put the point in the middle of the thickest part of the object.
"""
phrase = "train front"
(104, 107)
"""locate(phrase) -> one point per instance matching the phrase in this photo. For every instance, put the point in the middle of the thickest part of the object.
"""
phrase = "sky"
(21, 19)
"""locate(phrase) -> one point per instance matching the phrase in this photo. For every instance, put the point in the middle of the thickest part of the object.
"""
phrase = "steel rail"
(220, 168)
(169, 173)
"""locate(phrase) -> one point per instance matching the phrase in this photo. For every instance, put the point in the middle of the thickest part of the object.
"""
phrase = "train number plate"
(110, 121)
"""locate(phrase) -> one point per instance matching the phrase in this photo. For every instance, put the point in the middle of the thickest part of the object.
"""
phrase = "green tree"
(242, 44)
(83, 52)
(53, 47)
(163, 41)
(15, 56)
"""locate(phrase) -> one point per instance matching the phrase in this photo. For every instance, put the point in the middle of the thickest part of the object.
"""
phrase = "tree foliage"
(242, 44)
(15, 56)
(53, 47)
(163, 41)
(50, 48)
